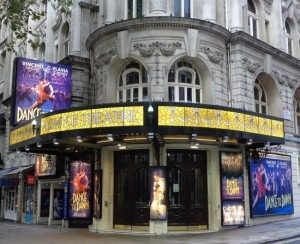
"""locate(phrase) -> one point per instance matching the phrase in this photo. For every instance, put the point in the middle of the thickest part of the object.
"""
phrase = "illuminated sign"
(218, 119)
(80, 190)
(45, 165)
(93, 118)
(40, 87)
(22, 134)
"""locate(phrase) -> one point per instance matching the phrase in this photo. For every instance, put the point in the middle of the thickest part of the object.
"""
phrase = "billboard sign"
(45, 165)
(271, 185)
(40, 87)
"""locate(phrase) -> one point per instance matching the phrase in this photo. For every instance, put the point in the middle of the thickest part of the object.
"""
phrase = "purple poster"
(271, 185)
(158, 207)
(80, 190)
(40, 88)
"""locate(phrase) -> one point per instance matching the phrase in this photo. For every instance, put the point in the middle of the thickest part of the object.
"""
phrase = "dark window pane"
(257, 108)
(133, 65)
(197, 95)
(144, 75)
(132, 78)
(128, 95)
(189, 94)
(120, 96)
(130, 9)
(263, 97)
(185, 77)
(254, 28)
(256, 94)
(187, 9)
(197, 81)
(171, 75)
(298, 124)
(171, 94)
(121, 81)
(263, 110)
(139, 8)
(145, 93)
(251, 6)
(135, 94)
(181, 93)
(177, 8)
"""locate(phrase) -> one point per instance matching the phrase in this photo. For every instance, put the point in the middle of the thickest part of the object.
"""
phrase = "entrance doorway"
(131, 187)
(187, 188)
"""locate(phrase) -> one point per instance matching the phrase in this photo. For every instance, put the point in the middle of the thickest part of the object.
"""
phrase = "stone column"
(50, 219)
(235, 15)
(209, 10)
(276, 26)
(109, 11)
(157, 7)
(75, 46)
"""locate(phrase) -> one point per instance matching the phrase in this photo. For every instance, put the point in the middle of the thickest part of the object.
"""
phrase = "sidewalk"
(16, 233)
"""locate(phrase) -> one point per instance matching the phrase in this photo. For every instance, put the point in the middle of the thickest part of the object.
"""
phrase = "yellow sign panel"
(134, 116)
(51, 124)
(76, 120)
(218, 119)
(107, 117)
(21, 134)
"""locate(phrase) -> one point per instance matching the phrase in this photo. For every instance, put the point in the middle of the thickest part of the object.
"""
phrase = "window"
(184, 83)
(288, 38)
(182, 8)
(252, 19)
(260, 98)
(65, 40)
(134, 9)
(133, 84)
(297, 115)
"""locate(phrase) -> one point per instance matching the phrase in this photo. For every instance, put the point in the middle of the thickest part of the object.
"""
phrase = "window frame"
(136, 12)
(182, 5)
(252, 20)
(260, 103)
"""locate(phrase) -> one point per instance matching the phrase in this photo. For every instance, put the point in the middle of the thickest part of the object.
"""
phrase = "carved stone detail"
(166, 49)
(292, 83)
(281, 80)
(268, 5)
(249, 66)
(214, 55)
(105, 58)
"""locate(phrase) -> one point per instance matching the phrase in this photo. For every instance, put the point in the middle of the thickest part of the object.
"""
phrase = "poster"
(158, 207)
(45, 165)
(45, 202)
(40, 87)
(97, 193)
(58, 204)
(271, 185)
(80, 190)
(232, 188)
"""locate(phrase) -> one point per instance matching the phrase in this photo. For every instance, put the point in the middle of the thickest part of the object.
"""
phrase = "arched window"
(252, 19)
(288, 38)
(65, 40)
(133, 84)
(184, 83)
(297, 114)
(182, 8)
(134, 9)
(260, 98)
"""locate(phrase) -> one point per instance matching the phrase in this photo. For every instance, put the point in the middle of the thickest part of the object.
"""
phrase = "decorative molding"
(105, 58)
(92, 7)
(268, 5)
(166, 49)
(281, 80)
(249, 66)
(57, 23)
(284, 79)
(214, 55)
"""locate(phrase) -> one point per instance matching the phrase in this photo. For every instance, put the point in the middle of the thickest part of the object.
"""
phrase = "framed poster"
(45, 165)
(80, 189)
(97, 194)
(158, 193)
(232, 188)
(58, 204)
(271, 185)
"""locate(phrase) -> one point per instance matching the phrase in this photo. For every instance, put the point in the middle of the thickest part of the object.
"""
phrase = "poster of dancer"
(80, 190)
(40, 87)
(271, 185)
(97, 193)
(158, 207)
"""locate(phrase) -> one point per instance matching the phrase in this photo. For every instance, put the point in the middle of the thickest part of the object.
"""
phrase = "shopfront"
(155, 167)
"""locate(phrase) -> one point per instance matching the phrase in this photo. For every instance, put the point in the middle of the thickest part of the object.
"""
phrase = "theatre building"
(187, 119)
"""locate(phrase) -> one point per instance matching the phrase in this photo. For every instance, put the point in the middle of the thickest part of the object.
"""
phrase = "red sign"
(30, 180)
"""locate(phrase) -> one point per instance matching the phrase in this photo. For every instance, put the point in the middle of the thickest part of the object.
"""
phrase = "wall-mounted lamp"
(79, 139)
(150, 135)
(150, 108)
(249, 141)
(38, 144)
(225, 139)
(27, 148)
(55, 141)
(110, 137)
(122, 146)
(194, 145)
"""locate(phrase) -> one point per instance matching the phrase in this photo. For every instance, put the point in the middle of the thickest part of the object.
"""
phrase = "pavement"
(15, 233)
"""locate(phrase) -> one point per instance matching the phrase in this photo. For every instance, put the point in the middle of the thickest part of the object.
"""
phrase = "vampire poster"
(80, 190)
(40, 87)
(158, 184)
(232, 188)
(97, 193)
(271, 185)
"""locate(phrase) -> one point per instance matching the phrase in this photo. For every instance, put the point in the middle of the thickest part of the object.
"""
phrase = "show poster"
(58, 204)
(97, 193)
(158, 184)
(80, 190)
(271, 185)
(40, 87)
(232, 188)
(45, 165)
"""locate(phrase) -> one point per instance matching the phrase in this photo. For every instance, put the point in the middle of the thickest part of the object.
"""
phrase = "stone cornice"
(75, 60)
(250, 41)
(158, 22)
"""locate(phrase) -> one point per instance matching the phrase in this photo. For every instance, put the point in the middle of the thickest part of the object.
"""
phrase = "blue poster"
(271, 186)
